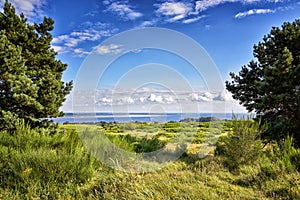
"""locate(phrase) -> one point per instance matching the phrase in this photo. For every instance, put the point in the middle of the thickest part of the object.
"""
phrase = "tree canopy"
(270, 84)
(31, 85)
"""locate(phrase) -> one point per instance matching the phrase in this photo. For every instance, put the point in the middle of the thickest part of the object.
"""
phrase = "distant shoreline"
(141, 117)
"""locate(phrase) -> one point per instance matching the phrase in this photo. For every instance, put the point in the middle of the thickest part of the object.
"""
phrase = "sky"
(153, 55)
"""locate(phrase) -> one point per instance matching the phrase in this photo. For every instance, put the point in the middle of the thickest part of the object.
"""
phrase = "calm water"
(140, 117)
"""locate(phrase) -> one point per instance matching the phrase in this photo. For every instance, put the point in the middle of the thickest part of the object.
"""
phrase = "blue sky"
(226, 29)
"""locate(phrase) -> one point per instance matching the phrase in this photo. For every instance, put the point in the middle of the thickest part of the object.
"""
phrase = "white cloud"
(122, 10)
(194, 97)
(58, 49)
(60, 39)
(206, 96)
(108, 49)
(191, 20)
(205, 4)
(155, 98)
(31, 8)
(127, 100)
(80, 52)
(223, 96)
(69, 43)
(142, 99)
(148, 23)
(203, 98)
(72, 42)
(169, 100)
(174, 10)
(253, 12)
(104, 101)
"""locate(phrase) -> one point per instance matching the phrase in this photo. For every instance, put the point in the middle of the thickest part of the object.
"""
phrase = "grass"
(37, 164)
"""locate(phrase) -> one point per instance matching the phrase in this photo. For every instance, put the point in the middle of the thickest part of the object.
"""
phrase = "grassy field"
(37, 164)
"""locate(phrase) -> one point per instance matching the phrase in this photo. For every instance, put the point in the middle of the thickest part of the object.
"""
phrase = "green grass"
(37, 164)
(34, 163)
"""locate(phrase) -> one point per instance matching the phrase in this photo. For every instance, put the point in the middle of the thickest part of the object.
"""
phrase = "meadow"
(55, 164)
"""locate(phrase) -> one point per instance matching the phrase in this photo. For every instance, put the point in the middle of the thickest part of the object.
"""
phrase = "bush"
(171, 127)
(268, 170)
(136, 144)
(243, 145)
(285, 155)
(221, 145)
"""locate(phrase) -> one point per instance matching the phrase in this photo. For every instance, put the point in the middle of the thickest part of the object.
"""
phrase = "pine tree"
(270, 85)
(31, 85)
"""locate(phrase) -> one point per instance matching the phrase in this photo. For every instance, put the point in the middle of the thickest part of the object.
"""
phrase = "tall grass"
(37, 164)
(34, 162)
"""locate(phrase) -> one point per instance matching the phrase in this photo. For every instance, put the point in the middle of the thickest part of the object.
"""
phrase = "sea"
(141, 117)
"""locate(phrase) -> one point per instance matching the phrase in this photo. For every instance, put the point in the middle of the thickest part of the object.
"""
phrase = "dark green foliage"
(221, 145)
(270, 84)
(136, 144)
(171, 127)
(200, 136)
(30, 76)
(111, 127)
(201, 119)
(164, 134)
(8, 121)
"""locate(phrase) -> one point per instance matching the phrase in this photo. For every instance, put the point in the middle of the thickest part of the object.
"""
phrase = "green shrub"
(199, 137)
(221, 145)
(136, 144)
(295, 160)
(171, 127)
(111, 127)
(268, 170)
(285, 155)
(243, 145)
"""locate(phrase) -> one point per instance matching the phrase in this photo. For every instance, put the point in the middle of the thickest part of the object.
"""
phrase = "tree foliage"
(270, 84)
(30, 76)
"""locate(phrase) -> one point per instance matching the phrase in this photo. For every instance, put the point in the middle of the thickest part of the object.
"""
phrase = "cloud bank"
(106, 100)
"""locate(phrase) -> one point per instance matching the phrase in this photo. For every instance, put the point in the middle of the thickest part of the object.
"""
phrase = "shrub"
(171, 127)
(221, 145)
(286, 155)
(268, 170)
(243, 145)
